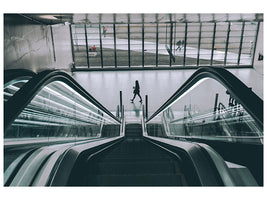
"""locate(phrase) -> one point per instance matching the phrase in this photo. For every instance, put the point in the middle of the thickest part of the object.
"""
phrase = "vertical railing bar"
(227, 43)
(72, 48)
(157, 41)
(86, 44)
(241, 43)
(256, 39)
(146, 111)
(174, 38)
(143, 41)
(171, 32)
(53, 44)
(213, 42)
(185, 40)
(199, 41)
(121, 102)
(129, 47)
(115, 45)
(101, 50)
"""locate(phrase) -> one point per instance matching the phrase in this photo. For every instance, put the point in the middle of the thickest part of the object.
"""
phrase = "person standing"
(94, 48)
(136, 91)
(104, 31)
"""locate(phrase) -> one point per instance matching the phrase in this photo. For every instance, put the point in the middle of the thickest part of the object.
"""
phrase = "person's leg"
(140, 97)
(133, 97)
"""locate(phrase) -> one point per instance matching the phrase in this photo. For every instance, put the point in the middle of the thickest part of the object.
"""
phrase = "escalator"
(133, 162)
(235, 131)
(49, 112)
(69, 139)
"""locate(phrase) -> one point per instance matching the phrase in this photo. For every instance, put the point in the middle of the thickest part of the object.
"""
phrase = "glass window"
(248, 43)
(192, 43)
(79, 45)
(172, 39)
(122, 44)
(164, 41)
(206, 43)
(108, 45)
(136, 44)
(234, 43)
(220, 43)
(150, 31)
(93, 37)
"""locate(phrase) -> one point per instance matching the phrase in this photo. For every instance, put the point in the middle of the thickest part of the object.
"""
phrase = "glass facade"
(203, 41)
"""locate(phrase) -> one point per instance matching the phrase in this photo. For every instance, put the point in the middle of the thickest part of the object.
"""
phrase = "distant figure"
(179, 44)
(93, 48)
(136, 91)
(182, 43)
(104, 31)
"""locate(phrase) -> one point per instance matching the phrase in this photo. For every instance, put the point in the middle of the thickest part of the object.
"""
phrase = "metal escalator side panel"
(70, 158)
(201, 163)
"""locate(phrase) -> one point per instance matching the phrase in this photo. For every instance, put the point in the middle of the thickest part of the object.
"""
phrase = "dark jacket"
(136, 89)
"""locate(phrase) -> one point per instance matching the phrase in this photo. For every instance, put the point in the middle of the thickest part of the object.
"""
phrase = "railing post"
(121, 103)
(215, 105)
(118, 111)
(146, 112)
(143, 120)
(122, 119)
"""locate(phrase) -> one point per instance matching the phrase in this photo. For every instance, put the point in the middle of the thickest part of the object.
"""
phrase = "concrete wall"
(62, 44)
(31, 47)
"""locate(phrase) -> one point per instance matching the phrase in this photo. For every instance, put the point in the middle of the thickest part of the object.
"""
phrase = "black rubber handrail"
(14, 106)
(12, 74)
(238, 90)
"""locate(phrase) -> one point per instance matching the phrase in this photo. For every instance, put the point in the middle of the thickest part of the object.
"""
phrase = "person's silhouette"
(136, 91)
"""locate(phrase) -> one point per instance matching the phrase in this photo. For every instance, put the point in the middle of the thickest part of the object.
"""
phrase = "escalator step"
(146, 167)
(137, 180)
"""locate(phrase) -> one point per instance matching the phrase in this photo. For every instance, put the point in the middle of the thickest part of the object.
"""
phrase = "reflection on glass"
(12, 87)
(58, 112)
(207, 111)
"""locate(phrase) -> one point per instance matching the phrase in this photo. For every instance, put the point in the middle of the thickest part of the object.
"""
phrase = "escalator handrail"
(16, 103)
(13, 74)
(244, 95)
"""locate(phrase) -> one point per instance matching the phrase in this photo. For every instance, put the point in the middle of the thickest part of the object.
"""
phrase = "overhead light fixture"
(50, 17)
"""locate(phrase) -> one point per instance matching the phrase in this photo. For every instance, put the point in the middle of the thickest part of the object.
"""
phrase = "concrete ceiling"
(107, 18)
